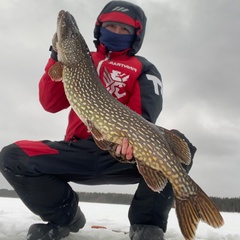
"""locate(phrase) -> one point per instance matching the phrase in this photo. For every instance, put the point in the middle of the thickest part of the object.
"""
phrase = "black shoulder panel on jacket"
(150, 83)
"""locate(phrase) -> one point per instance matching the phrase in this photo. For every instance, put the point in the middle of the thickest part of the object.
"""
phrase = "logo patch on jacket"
(115, 81)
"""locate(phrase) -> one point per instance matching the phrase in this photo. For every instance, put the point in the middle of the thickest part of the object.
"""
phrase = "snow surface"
(15, 220)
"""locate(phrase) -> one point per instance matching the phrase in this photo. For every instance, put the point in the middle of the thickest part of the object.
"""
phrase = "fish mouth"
(65, 19)
(67, 36)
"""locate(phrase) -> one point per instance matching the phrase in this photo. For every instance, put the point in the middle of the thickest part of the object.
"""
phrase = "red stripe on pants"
(35, 148)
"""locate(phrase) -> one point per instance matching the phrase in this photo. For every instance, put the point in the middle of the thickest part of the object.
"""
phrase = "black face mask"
(115, 42)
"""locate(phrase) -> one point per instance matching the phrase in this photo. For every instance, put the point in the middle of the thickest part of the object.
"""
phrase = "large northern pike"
(157, 151)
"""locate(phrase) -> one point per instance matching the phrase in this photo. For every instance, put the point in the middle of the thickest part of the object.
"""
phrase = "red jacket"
(133, 80)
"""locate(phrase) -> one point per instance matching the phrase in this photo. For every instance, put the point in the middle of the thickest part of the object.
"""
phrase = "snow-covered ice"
(15, 220)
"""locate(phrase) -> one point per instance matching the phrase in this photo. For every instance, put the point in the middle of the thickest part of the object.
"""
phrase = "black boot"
(50, 231)
(145, 232)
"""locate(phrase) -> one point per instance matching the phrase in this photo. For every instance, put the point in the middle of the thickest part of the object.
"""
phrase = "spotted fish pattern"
(157, 151)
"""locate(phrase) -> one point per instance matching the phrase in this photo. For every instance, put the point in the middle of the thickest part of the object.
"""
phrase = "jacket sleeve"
(51, 94)
(147, 98)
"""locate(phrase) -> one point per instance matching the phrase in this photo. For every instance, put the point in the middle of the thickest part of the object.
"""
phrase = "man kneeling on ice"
(39, 171)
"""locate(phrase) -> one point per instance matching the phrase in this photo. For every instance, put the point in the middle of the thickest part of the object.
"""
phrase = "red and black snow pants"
(39, 171)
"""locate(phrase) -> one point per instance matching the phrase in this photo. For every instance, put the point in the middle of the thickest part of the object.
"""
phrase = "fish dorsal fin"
(155, 180)
(178, 146)
(56, 72)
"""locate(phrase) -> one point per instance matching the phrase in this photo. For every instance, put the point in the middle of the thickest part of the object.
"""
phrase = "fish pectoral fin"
(155, 180)
(103, 144)
(56, 72)
(178, 146)
(96, 133)
(111, 148)
(98, 137)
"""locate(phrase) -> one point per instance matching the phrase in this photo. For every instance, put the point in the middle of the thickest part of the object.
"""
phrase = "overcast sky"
(195, 44)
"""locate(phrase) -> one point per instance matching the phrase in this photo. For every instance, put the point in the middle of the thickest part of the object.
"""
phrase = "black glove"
(53, 48)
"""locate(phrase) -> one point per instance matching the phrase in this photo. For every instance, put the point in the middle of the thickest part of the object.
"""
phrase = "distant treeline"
(227, 204)
(223, 204)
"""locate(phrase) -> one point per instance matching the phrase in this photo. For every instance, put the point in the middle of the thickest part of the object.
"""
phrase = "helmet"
(125, 13)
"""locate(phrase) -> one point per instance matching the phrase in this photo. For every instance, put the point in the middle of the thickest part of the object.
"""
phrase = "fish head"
(71, 46)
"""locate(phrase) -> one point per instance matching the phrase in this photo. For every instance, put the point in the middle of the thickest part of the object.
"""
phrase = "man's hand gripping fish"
(157, 151)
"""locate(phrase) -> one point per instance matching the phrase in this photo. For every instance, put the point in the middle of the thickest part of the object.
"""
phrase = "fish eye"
(73, 35)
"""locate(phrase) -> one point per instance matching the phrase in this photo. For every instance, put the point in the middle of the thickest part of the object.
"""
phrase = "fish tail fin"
(195, 208)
